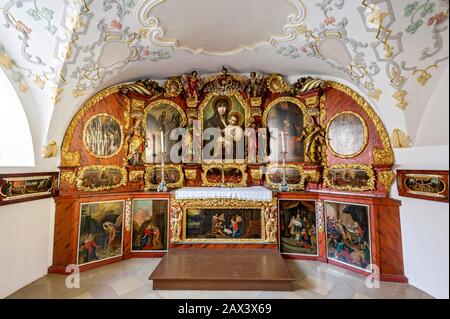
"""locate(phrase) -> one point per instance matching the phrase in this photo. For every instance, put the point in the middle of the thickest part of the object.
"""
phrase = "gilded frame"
(224, 204)
(241, 167)
(365, 137)
(299, 168)
(150, 186)
(367, 168)
(122, 139)
(81, 171)
(205, 103)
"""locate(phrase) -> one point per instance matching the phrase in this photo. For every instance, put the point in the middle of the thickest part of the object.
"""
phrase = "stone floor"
(129, 279)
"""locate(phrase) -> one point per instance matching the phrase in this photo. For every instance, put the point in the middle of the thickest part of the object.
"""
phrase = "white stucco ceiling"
(58, 53)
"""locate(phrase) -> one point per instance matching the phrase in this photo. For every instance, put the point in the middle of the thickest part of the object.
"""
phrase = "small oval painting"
(103, 136)
(347, 135)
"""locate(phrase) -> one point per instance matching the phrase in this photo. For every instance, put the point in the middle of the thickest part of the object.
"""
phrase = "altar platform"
(222, 269)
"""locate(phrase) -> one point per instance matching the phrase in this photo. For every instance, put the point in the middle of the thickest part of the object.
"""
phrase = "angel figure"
(111, 231)
(254, 86)
(192, 85)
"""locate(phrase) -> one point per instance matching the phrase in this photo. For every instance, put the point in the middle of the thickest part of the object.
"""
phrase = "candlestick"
(162, 187)
(284, 186)
(162, 142)
(282, 142)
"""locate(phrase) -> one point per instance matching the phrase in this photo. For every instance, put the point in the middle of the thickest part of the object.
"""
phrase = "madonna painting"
(224, 118)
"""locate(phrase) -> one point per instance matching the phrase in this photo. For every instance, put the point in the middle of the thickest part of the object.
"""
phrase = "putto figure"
(254, 85)
(192, 85)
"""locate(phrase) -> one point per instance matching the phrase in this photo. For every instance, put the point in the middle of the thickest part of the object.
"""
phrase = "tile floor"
(129, 279)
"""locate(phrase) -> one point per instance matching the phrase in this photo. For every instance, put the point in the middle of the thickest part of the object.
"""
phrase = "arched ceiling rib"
(65, 51)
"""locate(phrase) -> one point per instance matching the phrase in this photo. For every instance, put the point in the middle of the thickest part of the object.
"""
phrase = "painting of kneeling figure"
(348, 237)
(298, 233)
(223, 223)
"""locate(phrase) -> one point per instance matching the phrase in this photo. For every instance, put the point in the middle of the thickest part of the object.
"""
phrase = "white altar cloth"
(256, 193)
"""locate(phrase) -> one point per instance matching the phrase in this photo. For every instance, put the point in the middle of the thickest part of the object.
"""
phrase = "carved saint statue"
(314, 139)
(136, 144)
(255, 85)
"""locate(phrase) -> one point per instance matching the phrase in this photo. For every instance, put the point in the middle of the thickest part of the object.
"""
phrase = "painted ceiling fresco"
(63, 51)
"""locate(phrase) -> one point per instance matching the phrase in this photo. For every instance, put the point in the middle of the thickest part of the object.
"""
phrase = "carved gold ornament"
(277, 84)
(72, 159)
(370, 184)
(312, 176)
(84, 184)
(298, 186)
(153, 170)
(144, 87)
(256, 101)
(312, 101)
(173, 87)
(191, 174)
(241, 167)
(385, 155)
(386, 178)
(68, 177)
(365, 136)
(136, 176)
(400, 139)
(257, 174)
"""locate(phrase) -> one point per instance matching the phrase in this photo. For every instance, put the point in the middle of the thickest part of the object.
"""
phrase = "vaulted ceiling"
(58, 53)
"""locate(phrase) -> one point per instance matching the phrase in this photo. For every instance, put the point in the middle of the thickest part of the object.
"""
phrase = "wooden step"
(222, 269)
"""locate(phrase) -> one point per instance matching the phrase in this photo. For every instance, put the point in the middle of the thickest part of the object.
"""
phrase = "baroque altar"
(223, 144)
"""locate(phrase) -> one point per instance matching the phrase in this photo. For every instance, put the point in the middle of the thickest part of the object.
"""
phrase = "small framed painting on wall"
(16, 188)
(423, 184)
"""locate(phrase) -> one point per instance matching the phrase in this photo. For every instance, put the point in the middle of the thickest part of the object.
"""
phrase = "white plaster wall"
(425, 225)
(433, 128)
(26, 243)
